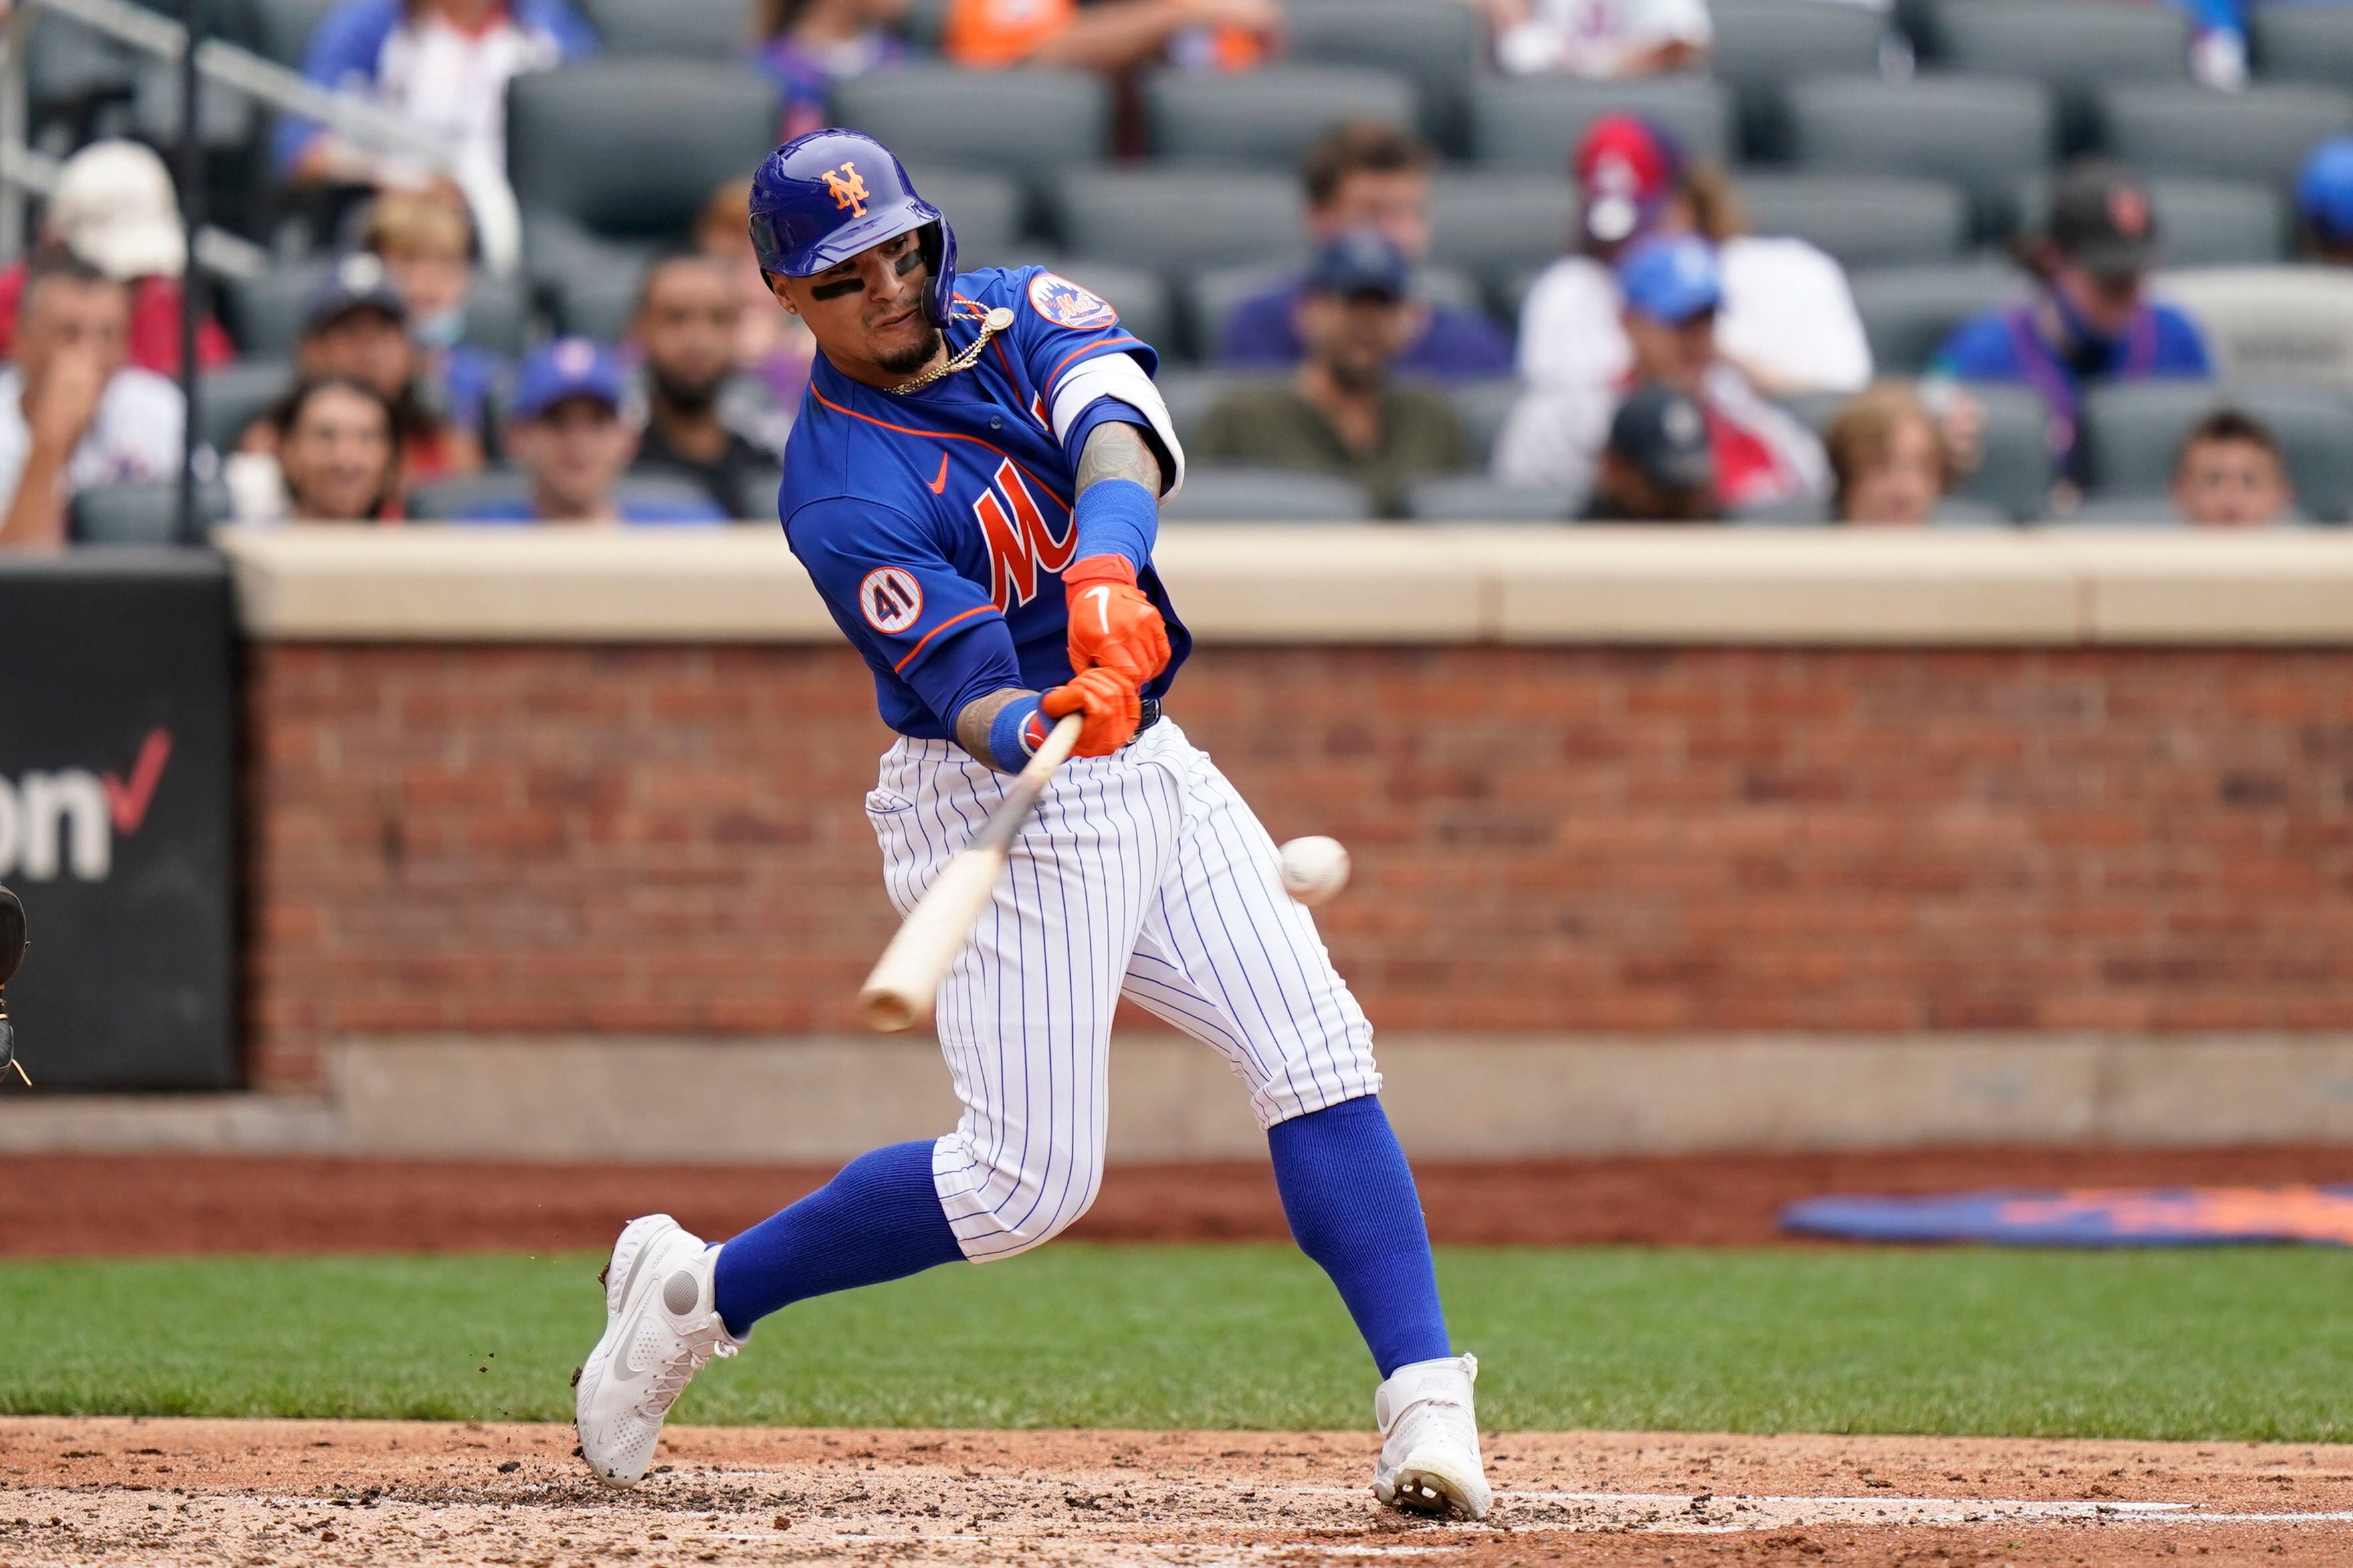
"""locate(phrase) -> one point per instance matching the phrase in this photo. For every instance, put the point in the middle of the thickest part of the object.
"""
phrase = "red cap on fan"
(1627, 168)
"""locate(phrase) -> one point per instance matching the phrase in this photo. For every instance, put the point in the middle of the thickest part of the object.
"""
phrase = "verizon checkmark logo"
(66, 820)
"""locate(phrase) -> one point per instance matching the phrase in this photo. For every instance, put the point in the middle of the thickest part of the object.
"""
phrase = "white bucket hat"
(115, 209)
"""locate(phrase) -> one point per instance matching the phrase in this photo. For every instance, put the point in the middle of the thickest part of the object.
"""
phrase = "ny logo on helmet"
(849, 189)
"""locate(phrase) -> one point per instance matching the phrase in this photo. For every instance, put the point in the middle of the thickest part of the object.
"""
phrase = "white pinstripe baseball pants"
(1143, 874)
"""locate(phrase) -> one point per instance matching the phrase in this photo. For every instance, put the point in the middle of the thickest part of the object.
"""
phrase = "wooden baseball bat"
(906, 978)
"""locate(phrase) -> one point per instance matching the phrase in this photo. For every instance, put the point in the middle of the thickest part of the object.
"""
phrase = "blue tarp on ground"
(2090, 1216)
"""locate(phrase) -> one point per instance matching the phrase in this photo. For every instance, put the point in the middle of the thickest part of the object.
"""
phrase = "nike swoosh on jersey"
(940, 485)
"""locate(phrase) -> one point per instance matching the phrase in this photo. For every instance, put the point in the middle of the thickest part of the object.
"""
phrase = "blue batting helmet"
(821, 198)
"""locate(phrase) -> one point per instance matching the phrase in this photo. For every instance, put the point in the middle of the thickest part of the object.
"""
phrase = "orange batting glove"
(1113, 625)
(1108, 702)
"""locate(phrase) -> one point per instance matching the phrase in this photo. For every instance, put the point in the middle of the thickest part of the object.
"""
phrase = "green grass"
(2235, 1343)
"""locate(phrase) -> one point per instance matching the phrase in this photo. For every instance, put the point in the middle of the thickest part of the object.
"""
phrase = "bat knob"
(886, 1011)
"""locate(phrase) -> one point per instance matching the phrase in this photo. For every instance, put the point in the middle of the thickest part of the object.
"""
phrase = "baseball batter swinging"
(974, 484)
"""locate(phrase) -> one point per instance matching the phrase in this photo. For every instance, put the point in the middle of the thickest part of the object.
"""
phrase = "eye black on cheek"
(909, 262)
(836, 290)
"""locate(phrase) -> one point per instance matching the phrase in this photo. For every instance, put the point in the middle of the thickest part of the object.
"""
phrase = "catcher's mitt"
(12, 954)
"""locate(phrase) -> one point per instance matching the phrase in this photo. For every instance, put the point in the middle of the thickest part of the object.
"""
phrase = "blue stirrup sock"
(1350, 1198)
(880, 1219)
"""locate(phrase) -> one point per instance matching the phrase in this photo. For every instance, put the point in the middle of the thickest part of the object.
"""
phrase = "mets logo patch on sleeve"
(1066, 304)
(892, 598)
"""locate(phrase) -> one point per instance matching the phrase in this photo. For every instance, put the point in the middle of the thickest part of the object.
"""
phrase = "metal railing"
(498, 221)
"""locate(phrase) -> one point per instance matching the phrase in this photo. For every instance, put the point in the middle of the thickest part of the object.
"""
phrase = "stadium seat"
(1191, 394)
(69, 69)
(2261, 133)
(444, 499)
(142, 513)
(1864, 220)
(1907, 311)
(692, 29)
(1146, 305)
(1436, 44)
(2074, 46)
(229, 119)
(605, 144)
(264, 313)
(1959, 511)
(2123, 512)
(2132, 431)
(1474, 499)
(1034, 123)
(1494, 226)
(2273, 324)
(1276, 496)
(1483, 407)
(2015, 473)
(595, 294)
(282, 29)
(232, 397)
(2304, 43)
(1762, 45)
(1176, 223)
(1534, 123)
(1268, 116)
(1980, 132)
(2199, 223)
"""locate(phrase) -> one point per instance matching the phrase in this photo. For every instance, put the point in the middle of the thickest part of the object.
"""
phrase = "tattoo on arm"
(979, 714)
(1120, 451)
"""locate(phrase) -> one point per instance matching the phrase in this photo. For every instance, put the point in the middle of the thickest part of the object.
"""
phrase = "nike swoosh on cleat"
(940, 485)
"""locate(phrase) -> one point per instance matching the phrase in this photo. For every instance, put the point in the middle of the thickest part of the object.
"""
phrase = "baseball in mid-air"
(1315, 869)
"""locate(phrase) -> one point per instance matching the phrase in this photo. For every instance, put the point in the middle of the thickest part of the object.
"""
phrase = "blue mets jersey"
(937, 524)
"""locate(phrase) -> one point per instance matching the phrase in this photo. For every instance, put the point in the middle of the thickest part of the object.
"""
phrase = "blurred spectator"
(2229, 474)
(1889, 463)
(2218, 46)
(2324, 203)
(2091, 320)
(1110, 35)
(1339, 413)
(687, 327)
(1672, 289)
(338, 458)
(74, 415)
(1789, 321)
(806, 46)
(442, 64)
(1657, 466)
(114, 209)
(357, 329)
(774, 349)
(1367, 174)
(566, 431)
(1603, 37)
(427, 246)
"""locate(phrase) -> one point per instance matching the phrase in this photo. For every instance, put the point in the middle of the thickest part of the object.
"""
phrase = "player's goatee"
(907, 361)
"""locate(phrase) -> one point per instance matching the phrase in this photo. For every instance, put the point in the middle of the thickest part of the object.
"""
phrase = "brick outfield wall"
(670, 840)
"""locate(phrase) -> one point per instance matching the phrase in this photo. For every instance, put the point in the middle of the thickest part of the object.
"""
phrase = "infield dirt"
(248, 1494)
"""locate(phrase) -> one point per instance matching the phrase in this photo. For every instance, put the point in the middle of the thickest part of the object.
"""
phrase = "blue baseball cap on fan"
(2323, 191)
(1671, 279)
(1362, 262)
(564, 369)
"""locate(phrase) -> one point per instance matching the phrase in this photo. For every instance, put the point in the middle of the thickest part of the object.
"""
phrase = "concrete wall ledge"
(825, 1098)
(1368, 583)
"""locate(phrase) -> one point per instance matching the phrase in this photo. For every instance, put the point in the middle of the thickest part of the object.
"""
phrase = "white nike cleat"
(1429, 1440)
(661, 1327)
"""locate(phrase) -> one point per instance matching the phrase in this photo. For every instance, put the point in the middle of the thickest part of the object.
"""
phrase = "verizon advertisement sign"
(116, 824)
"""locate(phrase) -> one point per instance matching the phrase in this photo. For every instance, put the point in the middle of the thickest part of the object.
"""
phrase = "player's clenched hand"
(1106, 699)
(1113, 625)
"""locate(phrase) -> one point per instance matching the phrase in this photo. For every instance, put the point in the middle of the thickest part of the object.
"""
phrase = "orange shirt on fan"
(992, 34)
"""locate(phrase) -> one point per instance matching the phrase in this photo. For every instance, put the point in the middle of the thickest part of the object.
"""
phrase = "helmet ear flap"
(936, 240)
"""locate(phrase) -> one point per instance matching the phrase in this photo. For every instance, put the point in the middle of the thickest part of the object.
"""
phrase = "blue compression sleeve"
(1116, 517)
(1350, 1202)
(880, 1219)
(1016, 733)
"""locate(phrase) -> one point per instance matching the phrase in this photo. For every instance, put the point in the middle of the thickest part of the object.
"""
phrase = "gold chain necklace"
(994, 323)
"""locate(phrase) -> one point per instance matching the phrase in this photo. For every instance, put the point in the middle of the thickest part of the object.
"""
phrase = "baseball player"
(974, 484)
